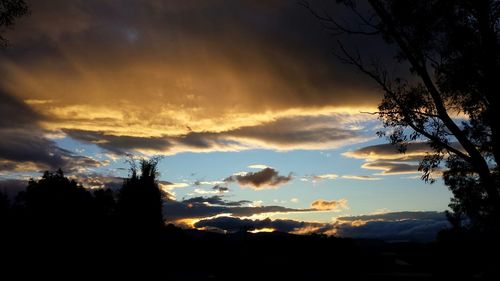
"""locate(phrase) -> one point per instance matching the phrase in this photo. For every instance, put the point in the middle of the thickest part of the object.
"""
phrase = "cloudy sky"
(255, 117)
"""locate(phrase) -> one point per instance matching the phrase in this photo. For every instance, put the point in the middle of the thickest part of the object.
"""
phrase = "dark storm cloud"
(197, 75)
(149, 69)
(265, 178)
(279, 37)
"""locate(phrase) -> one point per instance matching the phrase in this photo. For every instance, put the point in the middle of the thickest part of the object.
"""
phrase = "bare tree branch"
(331, 24)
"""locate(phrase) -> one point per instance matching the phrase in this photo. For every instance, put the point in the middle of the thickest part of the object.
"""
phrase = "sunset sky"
(254, 116)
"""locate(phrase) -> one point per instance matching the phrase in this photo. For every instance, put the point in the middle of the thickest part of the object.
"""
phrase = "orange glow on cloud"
(262, 230)
(162, 85)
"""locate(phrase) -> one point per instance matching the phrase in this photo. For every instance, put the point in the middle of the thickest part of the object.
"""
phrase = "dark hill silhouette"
(56, 227)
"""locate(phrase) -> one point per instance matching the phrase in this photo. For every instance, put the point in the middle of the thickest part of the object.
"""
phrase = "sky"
(256, 120)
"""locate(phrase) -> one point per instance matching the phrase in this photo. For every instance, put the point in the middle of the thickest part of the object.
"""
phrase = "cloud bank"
(409, 226)
(135, 76)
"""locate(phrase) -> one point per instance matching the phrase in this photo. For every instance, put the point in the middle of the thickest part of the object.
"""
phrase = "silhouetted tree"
(56, 202)
(140, 199)
(452, 97)
(10, 10)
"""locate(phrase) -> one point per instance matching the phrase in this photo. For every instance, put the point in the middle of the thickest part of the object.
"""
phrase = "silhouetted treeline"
(58, 222)
(57, 203)
(56, 227)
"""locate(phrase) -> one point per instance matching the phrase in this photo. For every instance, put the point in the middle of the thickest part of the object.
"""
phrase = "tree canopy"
(451, 98)
(10, 11)
(140, 199)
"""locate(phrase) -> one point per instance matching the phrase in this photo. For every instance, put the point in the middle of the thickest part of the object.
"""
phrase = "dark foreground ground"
(175, 254)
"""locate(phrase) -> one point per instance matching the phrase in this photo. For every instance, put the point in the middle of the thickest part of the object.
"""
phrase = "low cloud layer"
(200, 207)
(417, 226)
(395, 216)
(413, 226)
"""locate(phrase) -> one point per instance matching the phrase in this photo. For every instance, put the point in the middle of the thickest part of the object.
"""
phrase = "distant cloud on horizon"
(410, 226)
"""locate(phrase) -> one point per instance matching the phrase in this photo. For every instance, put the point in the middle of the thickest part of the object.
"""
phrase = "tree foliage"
(10, 11)
(140, 199)
(451, 97)
(57, 203)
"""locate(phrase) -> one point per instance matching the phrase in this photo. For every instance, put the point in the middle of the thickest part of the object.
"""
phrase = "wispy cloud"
(391, 168)
(259, 166)
(361, 178)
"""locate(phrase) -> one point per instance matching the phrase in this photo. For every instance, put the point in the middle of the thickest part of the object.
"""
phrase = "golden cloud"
(333, 205)
(155, 76)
